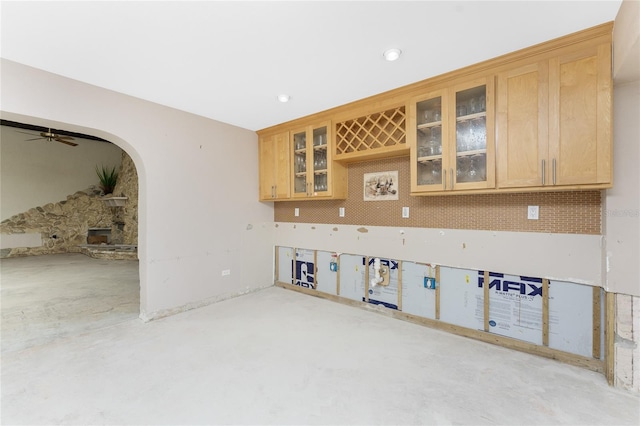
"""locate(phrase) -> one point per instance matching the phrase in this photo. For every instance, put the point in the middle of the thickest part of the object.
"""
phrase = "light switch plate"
(341, 211)
(296, 212)
(532, 212)
(405, 212)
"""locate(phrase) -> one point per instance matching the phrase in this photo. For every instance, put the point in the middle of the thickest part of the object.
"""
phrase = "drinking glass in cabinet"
(425, 171)
(436, 171)
(301, 164)
(300, 140)
(479, 167)
(320, 183)
(463, 136)
(320, 136)
(471, 101)
(478, 133)
(472, 106)
(430, 172)
(435, 140)
(429, 111)
(319, 160)
(463, 164)
(301, 184)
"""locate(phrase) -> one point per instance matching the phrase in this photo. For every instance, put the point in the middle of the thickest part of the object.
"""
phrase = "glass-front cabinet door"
(311, 162)
(473, 153)
(300, 163)
(453, 144)
(431, 143)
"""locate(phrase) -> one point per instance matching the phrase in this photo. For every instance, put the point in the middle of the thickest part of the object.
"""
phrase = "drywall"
(198, 207)
(626, 42)
(563, 257)
(621, 218)
(34, 173)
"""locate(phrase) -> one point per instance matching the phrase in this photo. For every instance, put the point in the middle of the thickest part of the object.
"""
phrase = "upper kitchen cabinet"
(453, 138)
(523, 125)
(580, 135)
(274, 167)
(314, 173)
(554, 122)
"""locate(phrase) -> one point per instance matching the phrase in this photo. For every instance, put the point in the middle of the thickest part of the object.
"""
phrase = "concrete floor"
(279, 357)
(46, 298)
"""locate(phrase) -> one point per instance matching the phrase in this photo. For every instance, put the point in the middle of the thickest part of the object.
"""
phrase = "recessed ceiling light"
(284, 98)
(392, 54)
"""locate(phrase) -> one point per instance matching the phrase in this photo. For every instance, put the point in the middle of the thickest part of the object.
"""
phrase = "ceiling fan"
(50, 136)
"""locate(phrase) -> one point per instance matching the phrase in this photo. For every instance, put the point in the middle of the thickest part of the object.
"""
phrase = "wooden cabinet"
(314, 173)
(523, 126)
(452, 144)
(580, 136)
(554, 122)
(274, 167)
(538, 119)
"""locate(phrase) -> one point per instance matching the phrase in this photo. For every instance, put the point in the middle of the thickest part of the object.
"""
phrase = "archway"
(52, 290)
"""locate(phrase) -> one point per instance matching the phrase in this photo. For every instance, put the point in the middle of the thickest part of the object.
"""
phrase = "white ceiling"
(229, 60)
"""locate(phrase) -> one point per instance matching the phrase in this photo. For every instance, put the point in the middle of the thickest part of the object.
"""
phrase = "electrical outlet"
(296, 212)
(532, 212)
(405, 212)
(341, 211)
(226, 272)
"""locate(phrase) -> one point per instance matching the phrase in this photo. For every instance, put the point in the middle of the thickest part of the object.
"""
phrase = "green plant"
(108, 178)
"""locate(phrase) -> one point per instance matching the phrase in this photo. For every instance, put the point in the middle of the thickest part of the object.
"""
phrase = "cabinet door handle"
(544, 172)
(451, 178)
(273, 191)
(444, 176)
(554, 171)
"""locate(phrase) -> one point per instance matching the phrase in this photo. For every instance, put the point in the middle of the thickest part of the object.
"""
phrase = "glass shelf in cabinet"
(471, 116)
(471, 153)
(429, 158)
(431, 124)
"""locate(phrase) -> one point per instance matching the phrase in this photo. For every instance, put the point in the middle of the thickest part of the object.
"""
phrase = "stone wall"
(64, 225)
(125, 226)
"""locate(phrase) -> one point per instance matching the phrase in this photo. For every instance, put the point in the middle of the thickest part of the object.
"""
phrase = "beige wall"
(35, 173)
(621, 216)
(198, 208)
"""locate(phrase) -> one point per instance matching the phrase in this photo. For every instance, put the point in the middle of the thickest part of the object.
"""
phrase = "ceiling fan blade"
(69, 138)
(34, 139)
(65, 142)
(26, 133)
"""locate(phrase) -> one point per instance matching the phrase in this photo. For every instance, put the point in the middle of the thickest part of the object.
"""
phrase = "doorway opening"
(55, 282)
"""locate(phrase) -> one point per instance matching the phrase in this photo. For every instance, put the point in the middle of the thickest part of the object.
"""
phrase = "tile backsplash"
(572, 212)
